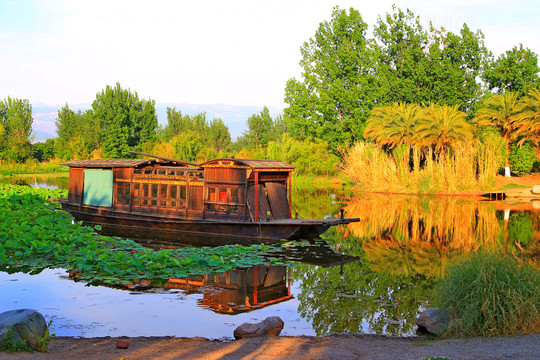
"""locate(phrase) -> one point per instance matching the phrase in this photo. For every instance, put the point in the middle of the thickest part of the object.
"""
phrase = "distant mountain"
(234, 116)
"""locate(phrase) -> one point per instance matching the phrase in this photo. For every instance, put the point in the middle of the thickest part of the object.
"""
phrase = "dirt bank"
(338, 347)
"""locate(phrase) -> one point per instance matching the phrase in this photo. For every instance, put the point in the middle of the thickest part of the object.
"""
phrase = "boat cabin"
(220, 189)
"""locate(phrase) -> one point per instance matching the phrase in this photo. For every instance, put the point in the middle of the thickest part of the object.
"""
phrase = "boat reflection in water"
(247, 289)
(237, 291)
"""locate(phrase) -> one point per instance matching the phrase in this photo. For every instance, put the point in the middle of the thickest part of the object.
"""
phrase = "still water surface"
(369, 277)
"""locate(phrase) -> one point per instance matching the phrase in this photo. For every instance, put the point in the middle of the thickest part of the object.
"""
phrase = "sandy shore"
(336, 347)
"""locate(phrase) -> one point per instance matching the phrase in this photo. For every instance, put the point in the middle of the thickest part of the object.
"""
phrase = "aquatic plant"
(36, 234)
(490, 295)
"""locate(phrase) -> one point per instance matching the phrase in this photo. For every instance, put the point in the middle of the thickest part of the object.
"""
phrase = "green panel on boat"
(98, 187)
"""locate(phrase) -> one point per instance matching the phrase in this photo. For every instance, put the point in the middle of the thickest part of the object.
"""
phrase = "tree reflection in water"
(404, 244)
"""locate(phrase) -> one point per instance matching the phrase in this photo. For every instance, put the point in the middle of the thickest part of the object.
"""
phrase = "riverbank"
(338, 347)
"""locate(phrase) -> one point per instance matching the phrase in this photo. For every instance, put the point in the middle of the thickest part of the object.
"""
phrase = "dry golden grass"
(469, 166)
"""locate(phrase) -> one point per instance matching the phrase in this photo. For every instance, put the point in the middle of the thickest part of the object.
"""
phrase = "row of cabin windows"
(224, 199)
(165, 171)
(160, 195)
(219, 199)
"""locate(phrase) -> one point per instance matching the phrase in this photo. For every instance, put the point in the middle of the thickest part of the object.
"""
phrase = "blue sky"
(202, 52)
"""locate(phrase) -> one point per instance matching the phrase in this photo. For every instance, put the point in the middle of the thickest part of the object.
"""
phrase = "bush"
(490, 295)
(521, 159)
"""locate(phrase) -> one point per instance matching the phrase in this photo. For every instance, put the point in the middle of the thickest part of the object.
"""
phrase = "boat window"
(144, 194)
(148, 171)
(137, 171)
(222, 195)
(196, 174)
(163, 191)
(183, 192)
(144, 190)
(122, 192)
(136, 189)
(154, 190)
(173, 191)
(162, 195)
(179, 173)
(170, 172)
(234, 195)
(162, 172)
(211, 194)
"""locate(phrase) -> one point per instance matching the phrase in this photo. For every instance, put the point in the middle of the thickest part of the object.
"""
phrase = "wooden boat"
(169, 199)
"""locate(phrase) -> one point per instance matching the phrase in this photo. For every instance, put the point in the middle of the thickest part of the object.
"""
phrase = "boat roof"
(123, 163)
(255, 164)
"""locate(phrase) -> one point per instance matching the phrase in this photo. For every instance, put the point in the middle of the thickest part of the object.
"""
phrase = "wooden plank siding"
(264, 206)
(277, 197)
(75, 185)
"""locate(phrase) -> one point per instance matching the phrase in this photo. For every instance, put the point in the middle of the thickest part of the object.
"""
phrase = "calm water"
(400, 247)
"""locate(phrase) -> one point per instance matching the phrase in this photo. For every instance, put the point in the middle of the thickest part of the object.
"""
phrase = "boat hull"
(199, 230)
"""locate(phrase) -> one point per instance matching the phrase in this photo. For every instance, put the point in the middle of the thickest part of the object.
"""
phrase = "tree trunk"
(507, 163)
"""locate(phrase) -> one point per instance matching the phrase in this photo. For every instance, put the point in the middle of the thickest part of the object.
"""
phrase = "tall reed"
(467, 166)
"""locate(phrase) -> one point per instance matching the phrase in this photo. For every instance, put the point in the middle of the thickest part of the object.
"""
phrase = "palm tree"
(527, 123)
(501, 111)
(393, 125)
(440, 126)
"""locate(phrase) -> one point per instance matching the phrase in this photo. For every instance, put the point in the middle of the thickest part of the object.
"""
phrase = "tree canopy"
(346, 74)
(15, 129)
(514, 71)
(125, 121)
(332, 100)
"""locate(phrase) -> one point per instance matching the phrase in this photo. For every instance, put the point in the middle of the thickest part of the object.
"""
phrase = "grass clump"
(490, 295)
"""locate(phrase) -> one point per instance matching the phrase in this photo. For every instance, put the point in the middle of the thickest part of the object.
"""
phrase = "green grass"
(32, 167)
(514, 186)
(490, 295)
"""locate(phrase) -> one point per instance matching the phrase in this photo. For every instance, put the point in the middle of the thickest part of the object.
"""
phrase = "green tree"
(187, 145)
(441, 126)
(514, 71)
(15, 129)
(337, 90)
(260, 127)
(43, 151)
(78, 133)
(176, 123)
(501, 111)
(218, 135)
(125, 122)
(415, 65)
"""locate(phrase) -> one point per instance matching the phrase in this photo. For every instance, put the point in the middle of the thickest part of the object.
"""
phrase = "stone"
(536, 189)
(122, 344)
(23, 324)
(271, 326)
(434, 320)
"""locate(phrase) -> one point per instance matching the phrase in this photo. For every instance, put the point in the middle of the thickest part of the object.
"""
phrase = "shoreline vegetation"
(359, 174)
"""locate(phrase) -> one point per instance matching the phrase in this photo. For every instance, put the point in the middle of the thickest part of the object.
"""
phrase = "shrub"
(490, 295)
(522, 159)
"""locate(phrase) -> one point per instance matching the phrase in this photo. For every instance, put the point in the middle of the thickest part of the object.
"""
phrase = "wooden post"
(256, 195)
(290, 194)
